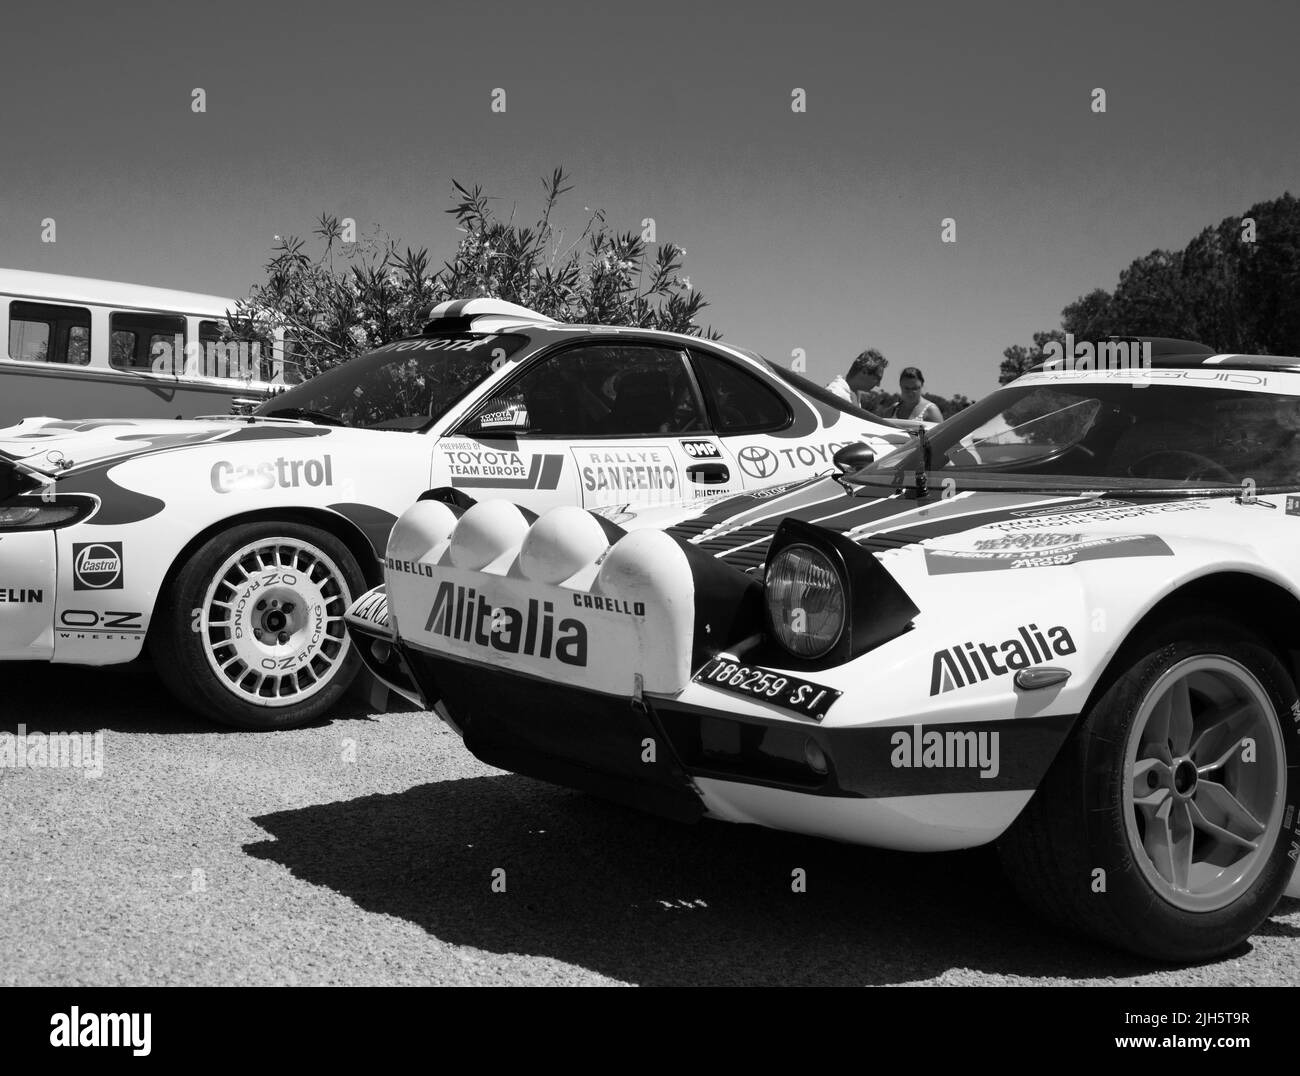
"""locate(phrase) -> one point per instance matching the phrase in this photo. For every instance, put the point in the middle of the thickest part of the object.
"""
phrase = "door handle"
(708, 472)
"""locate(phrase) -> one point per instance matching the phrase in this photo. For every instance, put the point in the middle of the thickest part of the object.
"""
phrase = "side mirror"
(853, 458)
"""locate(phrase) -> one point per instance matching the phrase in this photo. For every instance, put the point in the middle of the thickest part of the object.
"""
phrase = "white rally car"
(1067, 621)
(235, 544)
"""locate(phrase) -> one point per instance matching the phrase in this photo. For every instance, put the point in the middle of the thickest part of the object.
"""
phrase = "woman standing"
(913, 405)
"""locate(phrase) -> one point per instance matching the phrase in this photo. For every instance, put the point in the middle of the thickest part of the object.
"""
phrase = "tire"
(1117, 841)
(250, 632)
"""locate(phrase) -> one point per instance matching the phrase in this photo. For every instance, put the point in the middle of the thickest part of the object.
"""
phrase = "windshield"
(400, 386)
(1114, 434)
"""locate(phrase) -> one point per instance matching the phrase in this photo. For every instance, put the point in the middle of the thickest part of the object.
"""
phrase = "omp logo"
(463, 614)
(757, 461)
(962, 665)
(227, 477)
(700, 450)
(97, 566)
(952, 749)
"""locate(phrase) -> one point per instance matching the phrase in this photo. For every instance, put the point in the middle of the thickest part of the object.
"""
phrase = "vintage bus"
(83, 348)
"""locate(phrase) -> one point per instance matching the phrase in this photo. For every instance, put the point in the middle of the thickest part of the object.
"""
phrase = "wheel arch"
(338, 525)
(1261, 604)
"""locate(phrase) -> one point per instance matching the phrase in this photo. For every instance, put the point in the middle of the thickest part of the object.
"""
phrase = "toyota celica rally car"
(234, 545)
(1067, 621)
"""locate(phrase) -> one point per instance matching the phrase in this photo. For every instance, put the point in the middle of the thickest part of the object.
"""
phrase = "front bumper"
(685, 761)
(610, 747)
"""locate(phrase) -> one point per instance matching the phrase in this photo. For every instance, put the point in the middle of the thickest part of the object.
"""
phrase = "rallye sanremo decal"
(607, 469)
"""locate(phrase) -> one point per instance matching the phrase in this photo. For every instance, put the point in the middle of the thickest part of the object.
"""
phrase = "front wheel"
(1167, 825)
(252, 630)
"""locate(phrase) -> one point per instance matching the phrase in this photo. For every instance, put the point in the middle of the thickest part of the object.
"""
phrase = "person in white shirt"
(861, 386)
(912, 405)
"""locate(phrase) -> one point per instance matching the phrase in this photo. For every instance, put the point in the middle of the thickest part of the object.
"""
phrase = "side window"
(742, 403)
(224, 354)
(599, 390)
(143, 341)
(41, 332)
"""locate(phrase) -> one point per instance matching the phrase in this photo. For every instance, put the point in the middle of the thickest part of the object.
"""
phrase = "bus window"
(43, 332)
(147, 342)
(240, 358)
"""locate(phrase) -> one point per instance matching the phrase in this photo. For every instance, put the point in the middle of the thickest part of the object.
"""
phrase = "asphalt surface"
(363, 851)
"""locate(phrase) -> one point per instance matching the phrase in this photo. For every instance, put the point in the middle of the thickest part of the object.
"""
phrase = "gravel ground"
(362, 851)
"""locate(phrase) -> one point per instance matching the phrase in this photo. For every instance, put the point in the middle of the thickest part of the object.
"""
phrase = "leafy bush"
(352, 297)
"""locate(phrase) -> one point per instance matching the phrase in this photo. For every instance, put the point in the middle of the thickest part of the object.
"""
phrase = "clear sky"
(818, 230)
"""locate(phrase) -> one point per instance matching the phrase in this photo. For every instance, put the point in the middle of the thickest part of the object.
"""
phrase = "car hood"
(971, 531)
(55, 447)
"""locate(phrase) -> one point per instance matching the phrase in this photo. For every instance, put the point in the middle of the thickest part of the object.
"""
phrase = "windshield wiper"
(307, 413)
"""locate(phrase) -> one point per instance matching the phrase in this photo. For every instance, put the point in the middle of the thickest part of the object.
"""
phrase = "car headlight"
(807, 607)
(42, 515)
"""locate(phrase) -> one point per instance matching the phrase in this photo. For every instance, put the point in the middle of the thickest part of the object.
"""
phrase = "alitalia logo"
(967, 663)
(463, 614)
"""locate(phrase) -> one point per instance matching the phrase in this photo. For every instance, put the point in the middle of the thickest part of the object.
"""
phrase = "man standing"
(861, 386)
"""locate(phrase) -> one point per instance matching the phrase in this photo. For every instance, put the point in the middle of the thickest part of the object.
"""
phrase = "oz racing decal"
(97, 566)
(948, 561)
(93, 624)
(967, 663)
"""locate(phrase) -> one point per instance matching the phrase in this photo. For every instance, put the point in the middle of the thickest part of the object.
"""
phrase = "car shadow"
(648, 901)
(122, 698)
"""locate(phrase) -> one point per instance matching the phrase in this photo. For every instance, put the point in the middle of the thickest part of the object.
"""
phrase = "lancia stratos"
(232, 546)
(1066, 621)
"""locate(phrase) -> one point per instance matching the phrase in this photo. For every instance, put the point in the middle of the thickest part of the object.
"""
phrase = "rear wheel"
(254, 633)
(1166, 825)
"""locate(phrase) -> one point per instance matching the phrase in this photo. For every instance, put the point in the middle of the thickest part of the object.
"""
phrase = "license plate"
(780, 689)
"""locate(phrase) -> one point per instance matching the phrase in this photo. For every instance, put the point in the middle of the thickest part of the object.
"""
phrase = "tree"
(1019, 360)
(356, 296)
(1233, 287)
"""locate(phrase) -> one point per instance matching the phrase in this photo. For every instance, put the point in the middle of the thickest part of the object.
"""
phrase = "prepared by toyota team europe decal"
(472, 466)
